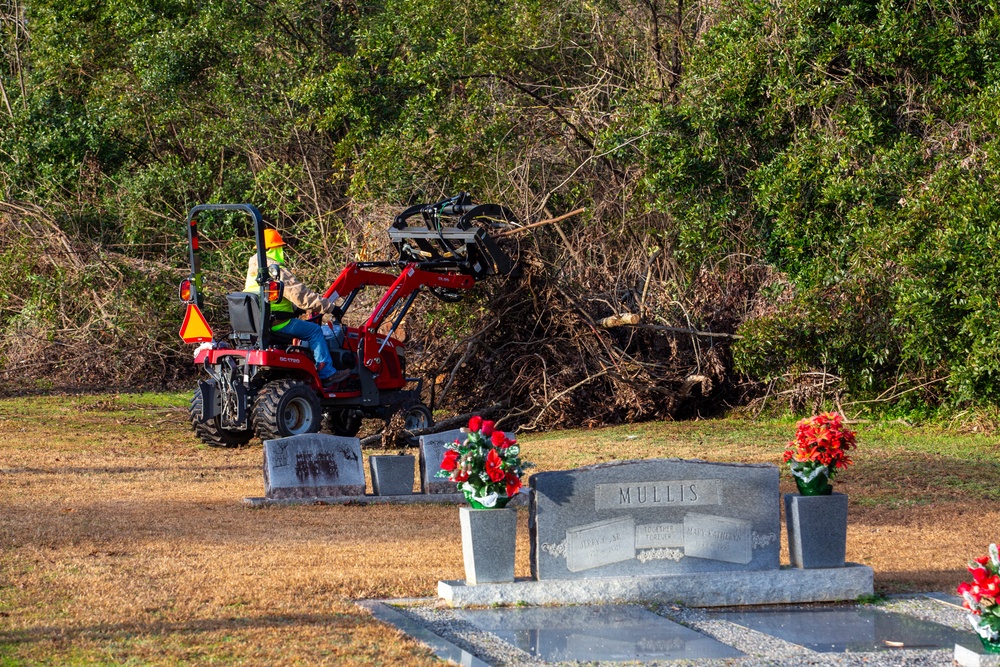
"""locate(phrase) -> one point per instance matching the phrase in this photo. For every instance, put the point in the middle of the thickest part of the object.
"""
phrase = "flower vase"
(992, 648)
(814, 483)
(817, 529)
(489, 537)
(493, 501)
(989, 637)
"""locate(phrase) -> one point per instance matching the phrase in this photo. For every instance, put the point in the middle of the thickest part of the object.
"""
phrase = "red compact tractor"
(264, 383)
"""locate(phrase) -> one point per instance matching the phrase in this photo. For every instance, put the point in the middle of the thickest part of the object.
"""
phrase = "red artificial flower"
(821, 439)
(513, 484)
(983, 560)
(460, 476)
(475, 423)
(494, 466)
(488, 428)
(450, 461)
(500, 440)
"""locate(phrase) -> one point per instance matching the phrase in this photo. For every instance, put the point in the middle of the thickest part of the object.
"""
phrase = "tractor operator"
(297, 298)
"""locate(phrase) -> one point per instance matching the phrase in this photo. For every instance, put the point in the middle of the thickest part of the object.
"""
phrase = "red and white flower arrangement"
(982, 594)
(487, 466)
(819, 450)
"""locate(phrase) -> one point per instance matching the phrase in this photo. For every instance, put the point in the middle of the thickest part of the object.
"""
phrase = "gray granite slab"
(653, 517)
(313, 465)
(432, 449)
(970, 656)
(786, 585)
(409, 499)
(441, 647)
(391, 475)
(850, 630)
(586, 633)
(489, 539)
(817, 529)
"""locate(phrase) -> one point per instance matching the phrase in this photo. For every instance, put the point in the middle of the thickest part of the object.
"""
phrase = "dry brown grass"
(123, 541)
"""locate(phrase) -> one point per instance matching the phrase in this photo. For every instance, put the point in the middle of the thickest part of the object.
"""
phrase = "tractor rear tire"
(344, 422)
(284, 408)
(210, 432)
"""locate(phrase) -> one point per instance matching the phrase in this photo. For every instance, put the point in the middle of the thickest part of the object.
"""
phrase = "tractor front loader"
(264, 383)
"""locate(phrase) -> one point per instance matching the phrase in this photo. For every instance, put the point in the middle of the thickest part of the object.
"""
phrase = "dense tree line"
(816, 178)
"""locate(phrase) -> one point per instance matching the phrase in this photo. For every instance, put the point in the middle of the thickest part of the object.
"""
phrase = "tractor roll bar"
(262, 274)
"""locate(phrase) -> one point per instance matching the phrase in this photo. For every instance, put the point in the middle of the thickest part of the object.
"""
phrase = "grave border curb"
(786, 585)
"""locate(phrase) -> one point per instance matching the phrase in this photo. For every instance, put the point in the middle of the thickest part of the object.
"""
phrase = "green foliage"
(850, 145)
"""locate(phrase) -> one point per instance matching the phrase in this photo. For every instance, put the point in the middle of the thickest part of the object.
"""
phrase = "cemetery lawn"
(123, 539)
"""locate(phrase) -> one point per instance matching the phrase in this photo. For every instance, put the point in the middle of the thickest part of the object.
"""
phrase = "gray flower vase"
(817, 530)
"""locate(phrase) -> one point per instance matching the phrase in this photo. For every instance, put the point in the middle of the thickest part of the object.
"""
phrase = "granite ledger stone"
(660, 516)
(313, 465)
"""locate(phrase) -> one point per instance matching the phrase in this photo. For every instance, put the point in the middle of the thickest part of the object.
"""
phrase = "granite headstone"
(313, 465)
(660, 516)
(432, 449)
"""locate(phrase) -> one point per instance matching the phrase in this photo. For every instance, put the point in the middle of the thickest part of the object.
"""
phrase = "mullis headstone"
(313, 465)
(661, 516)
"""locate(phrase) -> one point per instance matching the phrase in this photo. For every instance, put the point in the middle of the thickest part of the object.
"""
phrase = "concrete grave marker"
(313, 465)
(661, 516)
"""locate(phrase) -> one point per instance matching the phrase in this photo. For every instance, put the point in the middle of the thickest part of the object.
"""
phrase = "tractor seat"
(244, 318)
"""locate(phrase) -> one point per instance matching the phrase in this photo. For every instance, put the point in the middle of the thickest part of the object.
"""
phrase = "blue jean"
(313, 334)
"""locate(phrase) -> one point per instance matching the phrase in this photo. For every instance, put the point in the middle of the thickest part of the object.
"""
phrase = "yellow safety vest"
(283, 306)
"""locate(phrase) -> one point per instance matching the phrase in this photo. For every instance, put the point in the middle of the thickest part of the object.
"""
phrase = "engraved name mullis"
(658, 494)
(661, 493)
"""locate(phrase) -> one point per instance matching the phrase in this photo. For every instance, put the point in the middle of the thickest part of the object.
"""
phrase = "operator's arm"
(302, 296)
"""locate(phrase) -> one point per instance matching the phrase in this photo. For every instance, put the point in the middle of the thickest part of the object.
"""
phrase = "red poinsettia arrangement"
(487, 467)
(982, 594)
(819, 450)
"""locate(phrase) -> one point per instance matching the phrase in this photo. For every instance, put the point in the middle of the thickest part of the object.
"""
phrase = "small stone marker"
(313, 465)
(391, 475)
(432, 449)
(661, 516)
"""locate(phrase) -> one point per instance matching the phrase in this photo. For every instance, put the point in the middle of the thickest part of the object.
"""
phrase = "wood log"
(624, 319)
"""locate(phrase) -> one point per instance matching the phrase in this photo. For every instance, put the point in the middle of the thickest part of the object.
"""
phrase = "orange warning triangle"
(195, 329)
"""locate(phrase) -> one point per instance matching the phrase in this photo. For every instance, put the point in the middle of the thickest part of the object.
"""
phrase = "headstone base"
(519, 500)
(709, 589)
(967, 657)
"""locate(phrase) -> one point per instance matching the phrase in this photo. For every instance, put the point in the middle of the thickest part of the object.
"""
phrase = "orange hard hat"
(272, 239)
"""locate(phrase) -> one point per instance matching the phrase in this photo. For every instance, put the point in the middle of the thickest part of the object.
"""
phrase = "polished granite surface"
(848, 629)
(611, 632)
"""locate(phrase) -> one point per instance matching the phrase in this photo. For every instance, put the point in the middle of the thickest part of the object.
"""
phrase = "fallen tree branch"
(622, 320)
(542, 222)
(444, 425)
(695, 332)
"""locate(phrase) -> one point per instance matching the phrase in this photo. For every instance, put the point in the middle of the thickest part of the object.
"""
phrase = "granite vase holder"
(817, 530)
(392, 475)
(489, 538)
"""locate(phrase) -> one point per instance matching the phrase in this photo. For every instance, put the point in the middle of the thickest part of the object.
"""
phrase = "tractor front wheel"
(286, 407)
(210, 432)
(416, 417)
